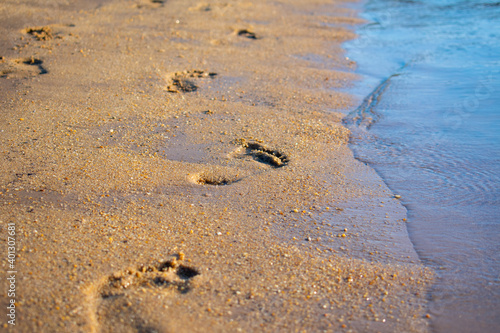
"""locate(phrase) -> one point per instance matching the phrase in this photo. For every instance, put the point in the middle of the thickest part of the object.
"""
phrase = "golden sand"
(180, 166)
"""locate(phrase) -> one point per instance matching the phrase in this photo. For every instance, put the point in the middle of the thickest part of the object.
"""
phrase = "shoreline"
(414, 145)
(177, 166)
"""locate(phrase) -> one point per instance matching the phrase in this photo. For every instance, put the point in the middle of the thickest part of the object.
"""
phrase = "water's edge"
(427, 124)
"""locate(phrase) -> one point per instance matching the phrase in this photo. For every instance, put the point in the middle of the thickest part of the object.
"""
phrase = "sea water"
(429, 124)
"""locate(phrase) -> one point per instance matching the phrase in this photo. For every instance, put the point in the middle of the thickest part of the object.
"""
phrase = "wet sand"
(182, 166)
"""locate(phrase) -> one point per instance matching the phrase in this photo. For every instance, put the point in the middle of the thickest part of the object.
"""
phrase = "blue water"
(429, 123)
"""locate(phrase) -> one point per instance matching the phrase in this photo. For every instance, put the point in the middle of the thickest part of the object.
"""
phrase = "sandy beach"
(181, 166)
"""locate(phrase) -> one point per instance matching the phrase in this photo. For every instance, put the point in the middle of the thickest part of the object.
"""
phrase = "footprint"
(211, 178)
(124, 297)
(150, 4)
(207, 7)
(167, 275)
(216, 175)
(48, 32)
(261, 153)
(40, 33)
(23, 67)
(183, 81)
(247, 33)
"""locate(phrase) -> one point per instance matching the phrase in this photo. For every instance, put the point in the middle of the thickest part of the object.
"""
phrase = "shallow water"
(430, 125)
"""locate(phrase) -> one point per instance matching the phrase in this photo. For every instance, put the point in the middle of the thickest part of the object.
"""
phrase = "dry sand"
(180, 166)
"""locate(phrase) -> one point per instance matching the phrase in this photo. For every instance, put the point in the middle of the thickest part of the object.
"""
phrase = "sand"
(181, 166)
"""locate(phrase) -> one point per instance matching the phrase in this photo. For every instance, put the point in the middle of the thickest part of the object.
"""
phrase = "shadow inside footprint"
(183, 85)
(186, 272)
(182, 82)
(264, 154)
(247, 33)
(151, 4)
(23, 67)
(33, 62)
